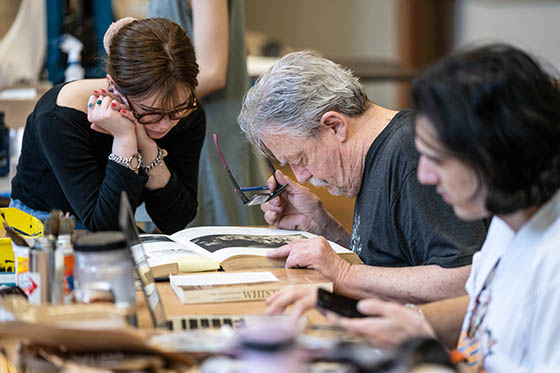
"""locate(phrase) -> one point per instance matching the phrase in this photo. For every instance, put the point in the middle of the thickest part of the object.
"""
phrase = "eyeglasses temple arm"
(236, 187)
(273, 170)
(271, 167)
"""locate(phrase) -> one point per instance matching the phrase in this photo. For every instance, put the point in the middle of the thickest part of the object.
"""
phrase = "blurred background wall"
(400, 36)
(340, 30)
(533, 25)
(405, 33)
(8, 11)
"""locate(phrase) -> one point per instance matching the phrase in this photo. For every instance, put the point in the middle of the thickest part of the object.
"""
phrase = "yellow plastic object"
(24, 224)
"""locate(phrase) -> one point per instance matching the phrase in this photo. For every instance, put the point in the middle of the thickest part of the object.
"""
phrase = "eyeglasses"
(481, 303)
(183, 111)
(258, 198)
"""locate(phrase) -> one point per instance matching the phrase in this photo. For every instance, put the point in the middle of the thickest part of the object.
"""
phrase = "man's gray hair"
(293, 95)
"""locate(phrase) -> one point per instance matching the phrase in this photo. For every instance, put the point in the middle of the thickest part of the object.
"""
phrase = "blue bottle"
(4, 147)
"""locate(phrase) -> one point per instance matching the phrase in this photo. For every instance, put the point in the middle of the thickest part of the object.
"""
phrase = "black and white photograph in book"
(155, 238)
(216, 242)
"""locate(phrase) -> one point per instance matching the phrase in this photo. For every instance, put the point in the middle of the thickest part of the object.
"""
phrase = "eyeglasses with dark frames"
(183, 111)
(257, 198)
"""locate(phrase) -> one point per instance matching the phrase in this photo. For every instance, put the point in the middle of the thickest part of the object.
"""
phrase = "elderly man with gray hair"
(312, 114)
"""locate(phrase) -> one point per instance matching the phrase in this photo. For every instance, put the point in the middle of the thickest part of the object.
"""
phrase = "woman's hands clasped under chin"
(114, 117)
(104, 114)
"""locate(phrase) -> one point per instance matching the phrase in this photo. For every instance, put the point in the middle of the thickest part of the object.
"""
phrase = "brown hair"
(152, 56)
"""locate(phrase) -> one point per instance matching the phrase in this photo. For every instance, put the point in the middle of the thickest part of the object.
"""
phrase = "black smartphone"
(340, 304)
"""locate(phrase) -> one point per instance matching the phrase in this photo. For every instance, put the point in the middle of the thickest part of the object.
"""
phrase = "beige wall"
(8, 11)
(532, 25)
(129, 8)
(345, 29)
(336, 28)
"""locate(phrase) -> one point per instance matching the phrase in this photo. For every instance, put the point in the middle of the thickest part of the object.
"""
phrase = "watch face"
(135, 162)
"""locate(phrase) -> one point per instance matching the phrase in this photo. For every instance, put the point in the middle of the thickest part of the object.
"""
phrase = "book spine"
(236, 294)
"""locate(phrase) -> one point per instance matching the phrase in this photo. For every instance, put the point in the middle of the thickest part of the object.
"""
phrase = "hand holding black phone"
(339, 304)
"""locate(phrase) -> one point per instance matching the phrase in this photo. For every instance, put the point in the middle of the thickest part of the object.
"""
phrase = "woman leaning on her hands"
(140, 130)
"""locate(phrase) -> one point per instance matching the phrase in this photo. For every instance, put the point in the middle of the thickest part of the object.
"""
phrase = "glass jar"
(104, 258)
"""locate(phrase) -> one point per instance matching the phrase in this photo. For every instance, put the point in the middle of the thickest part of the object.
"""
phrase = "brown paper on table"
(78, 328)
(81, 316)
(35, 358)
(75, 327)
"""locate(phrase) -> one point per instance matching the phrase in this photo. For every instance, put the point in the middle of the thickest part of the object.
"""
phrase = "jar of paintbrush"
(47, 260)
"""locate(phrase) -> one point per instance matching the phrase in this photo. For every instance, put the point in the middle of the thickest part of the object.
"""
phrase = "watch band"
(133, 162)
(162, 153)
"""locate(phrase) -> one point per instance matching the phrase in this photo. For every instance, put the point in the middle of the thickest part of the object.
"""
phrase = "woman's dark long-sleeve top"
(63, 165)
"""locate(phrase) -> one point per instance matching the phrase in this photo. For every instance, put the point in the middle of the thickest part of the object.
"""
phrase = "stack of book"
(241, 286)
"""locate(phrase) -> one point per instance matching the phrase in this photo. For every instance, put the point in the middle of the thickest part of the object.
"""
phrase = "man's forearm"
(420, 284)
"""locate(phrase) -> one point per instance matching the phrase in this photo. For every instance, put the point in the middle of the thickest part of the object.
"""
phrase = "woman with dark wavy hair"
(137, 131)
(488, 131)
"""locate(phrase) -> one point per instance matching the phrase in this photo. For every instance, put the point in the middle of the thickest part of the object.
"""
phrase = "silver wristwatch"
(133, 162)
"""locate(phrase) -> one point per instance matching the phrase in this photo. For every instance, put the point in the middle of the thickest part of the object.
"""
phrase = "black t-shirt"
(398, 221)
(63, 165)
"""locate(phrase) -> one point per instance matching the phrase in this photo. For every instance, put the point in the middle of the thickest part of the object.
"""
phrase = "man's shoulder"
(391, 161)
(394, 147)
(403, 117)
(401, 130)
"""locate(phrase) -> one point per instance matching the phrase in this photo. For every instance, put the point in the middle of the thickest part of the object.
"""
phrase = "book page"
(190, 233)
(161, 249)
(224, 242)
(225, 253)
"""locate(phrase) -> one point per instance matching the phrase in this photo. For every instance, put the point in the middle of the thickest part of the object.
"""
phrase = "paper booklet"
(230, 248)
(241, 286)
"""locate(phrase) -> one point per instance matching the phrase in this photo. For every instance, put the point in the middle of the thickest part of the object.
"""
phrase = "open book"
(231, 248)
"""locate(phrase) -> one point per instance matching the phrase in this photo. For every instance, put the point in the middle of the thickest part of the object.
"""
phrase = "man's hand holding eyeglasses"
(295, 208)
(298, 208)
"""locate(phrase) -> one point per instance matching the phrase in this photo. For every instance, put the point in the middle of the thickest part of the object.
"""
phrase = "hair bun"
(113, 29)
